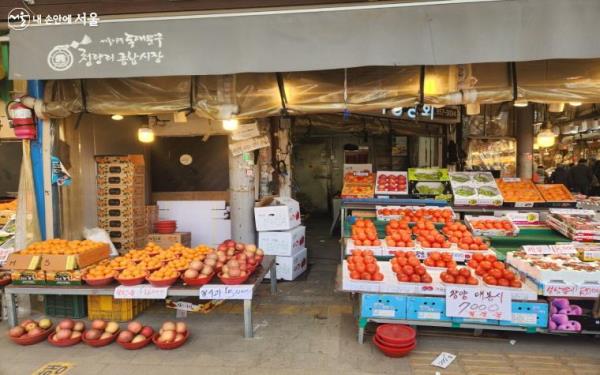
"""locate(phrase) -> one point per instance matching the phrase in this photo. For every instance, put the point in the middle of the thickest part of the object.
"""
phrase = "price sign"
(478, 303)
(185, 306)
(591, 255)
(226, 292)
(572, 211)
(563, 249)
(524, 204)
(511, 179)
(4, 253)
(443, 360)
(140, 292)
(589, 290)
(536, 249)
(560, 290)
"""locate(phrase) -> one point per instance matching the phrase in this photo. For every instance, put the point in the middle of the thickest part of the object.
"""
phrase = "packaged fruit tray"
(391, 183)
(358, 191)
(545, 269)
(556, 193)
(414, 213)
(519, 192)
(491, 226)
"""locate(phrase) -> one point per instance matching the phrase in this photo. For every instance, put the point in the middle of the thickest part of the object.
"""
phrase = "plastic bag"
(28, 229)
(100, 235)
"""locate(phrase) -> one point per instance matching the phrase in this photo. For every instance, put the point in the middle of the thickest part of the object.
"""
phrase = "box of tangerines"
(492, 226)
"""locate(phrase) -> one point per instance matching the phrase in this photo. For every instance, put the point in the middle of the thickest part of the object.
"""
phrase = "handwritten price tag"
(537, 249)
(226, 292)
(561, 290)
(443, 360)
(478, 303)
(140, 292)
(185, 306)
(524, 204)
(563, 249)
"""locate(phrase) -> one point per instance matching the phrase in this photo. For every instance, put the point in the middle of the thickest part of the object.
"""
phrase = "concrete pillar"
(284, 153)
(241, 200)
(524, 135)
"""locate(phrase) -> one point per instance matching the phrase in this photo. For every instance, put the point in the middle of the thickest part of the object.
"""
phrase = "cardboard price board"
(226, 292)
(248, 145)
(143, 291)
(478, 302)
(54, 368)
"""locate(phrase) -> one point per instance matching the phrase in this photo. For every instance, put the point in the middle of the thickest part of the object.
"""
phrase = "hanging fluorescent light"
(146, 134)
(575, 104)
(536, 146)
(117, 117)
(556, 107)
(520, 103)
(230, 124)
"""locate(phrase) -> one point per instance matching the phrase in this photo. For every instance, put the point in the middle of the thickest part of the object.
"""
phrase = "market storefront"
(418, 149)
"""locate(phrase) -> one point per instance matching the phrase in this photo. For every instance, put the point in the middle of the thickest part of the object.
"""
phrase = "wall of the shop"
(10, 165)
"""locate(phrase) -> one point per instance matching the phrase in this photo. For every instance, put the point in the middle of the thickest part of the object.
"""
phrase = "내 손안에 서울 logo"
(18, 19)
(60, 58)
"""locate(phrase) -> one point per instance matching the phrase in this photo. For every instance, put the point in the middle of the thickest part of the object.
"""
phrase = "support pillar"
(524, 133)
(283, 153)
(241, 200)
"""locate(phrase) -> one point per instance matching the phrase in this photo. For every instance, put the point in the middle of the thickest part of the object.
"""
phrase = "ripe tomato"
(449, 279)
(378, 277)
(369, 259)
(365, 276)
(472, 281)
(496, 273)
(409, 270)
(473, 264)
(486, 265)
(483, 247)
(415, 278)
(498, 265)
(420, 270)
(396, 268)
(508, 275)
(491, 258)
(480, 271)
(447, 257)
(413, 261)
(351, 267)
(402, 261)
(426, 278)
(355, 275)
(440, 263)
(360, 267)
(371, 268)
(474, 246)
(453, 272)
(478, 257)
(435, 255)
(465, 272)
(461, 279)
(490, 280)
(515, 284)
(403, 278)
(503, 282)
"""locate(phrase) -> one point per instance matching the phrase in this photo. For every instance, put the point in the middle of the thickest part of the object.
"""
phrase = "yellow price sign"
(54, 368)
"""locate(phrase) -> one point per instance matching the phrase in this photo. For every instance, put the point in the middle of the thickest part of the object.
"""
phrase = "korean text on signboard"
(478, 303)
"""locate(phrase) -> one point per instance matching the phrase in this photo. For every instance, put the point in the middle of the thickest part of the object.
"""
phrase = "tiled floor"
(308, 328)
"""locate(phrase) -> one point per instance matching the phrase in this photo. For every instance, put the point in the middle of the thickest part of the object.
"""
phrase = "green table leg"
(362, 323)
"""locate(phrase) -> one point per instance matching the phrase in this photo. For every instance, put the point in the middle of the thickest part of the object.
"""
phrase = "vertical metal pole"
(241, 200)
(248, 330)
(11, 302)
(273, 276)
(36, 89)
(524, 130)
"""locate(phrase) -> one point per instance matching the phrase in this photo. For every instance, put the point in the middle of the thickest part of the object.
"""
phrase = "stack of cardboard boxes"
(121, 200)
(280, 234)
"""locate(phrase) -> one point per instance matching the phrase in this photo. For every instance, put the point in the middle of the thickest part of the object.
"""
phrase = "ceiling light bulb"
(231, 124)
(556, 107)
(117, 117)
(536, 146)
(473, 109)
(146, 135)
(575, 104)
(520, 103)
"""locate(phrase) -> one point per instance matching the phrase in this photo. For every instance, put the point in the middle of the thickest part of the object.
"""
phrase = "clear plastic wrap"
(358, 89)
(63, 98)
(28, 229)
(553, 81)
(138, 96)
(255, 94)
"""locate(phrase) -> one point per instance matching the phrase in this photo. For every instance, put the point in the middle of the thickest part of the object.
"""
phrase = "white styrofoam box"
(220, 231)
(289, 268)
(284, 243)
(196, 217)
(277, 214)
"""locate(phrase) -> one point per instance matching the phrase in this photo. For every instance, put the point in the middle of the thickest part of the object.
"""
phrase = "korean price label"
(589, 291)
(563, 249)
(536, 249)
(226, 292)
(478, 303)
(561, 290)
(523, 204)
(184, 306)
(140, 292)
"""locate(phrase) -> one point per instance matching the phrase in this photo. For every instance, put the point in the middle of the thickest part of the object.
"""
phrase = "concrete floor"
(309, 328)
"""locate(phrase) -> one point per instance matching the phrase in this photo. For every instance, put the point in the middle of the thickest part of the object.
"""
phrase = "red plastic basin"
(393, 352)
(396, 334)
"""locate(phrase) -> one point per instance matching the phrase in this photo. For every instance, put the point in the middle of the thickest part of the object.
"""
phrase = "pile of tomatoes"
(364, 233)
(436, 215)
(458, 276)
(488, 224)
(398, 234)
(363, 266)
(459, 234)
(441, 260)
(493, 271)
(408, 268)
(428, 236)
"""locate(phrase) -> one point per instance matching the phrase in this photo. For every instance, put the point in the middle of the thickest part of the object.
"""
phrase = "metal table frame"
(12, 291)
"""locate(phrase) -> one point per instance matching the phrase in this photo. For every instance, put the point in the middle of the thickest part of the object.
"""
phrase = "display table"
(268, 264)
(526, 236)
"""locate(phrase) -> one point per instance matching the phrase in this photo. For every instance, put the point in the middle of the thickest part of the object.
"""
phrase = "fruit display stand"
(268, 264)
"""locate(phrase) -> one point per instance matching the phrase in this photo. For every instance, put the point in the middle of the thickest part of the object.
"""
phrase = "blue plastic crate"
(528, 314)
(383, 306)
(426, 308)
(475, 321)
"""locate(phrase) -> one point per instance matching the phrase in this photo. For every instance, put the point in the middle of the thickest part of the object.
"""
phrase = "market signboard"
(478, 302)
(426, 113)
(238, 148)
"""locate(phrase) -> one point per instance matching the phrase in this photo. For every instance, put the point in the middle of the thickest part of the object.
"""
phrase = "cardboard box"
(73, 262)
(18, 261)
(167, 240)
(283, 243)
(289, 268)
(124, 201)
(28, 277)
(122, 222)
(72, 277)
(277, 214)
(126, 244)
(127, 233)
(125, 212)
(151, 217)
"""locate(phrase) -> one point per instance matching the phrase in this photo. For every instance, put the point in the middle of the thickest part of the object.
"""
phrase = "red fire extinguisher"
(21, 119)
